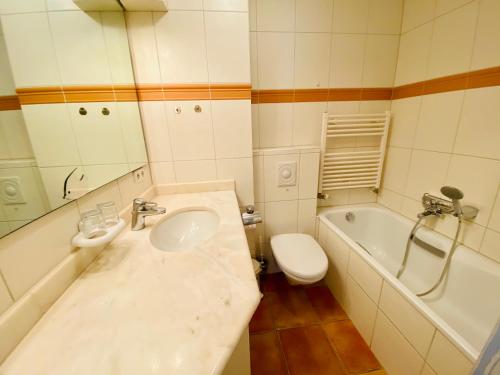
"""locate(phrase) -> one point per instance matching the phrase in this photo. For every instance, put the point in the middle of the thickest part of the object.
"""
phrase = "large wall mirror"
(69, 118)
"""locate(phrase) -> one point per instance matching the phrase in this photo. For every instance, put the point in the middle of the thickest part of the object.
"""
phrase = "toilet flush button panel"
(287, 173)
(10, 190)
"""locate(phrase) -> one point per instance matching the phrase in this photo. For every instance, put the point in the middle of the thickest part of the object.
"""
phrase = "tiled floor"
(302, 330)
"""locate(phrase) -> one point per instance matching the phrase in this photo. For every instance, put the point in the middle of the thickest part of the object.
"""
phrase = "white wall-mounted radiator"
(360, 168)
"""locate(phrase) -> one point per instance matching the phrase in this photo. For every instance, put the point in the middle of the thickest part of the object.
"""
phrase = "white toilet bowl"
(300, 258)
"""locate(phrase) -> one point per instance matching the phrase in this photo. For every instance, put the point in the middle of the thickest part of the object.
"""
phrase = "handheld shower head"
(452, 192)
(455, 195)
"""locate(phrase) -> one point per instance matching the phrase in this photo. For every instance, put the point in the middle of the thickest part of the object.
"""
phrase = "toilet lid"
(300, 255)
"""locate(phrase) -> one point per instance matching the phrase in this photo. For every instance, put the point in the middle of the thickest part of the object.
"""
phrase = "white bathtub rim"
(463, 345)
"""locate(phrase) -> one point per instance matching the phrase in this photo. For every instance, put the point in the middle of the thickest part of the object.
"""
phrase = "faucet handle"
(150, 205)
(138, 203)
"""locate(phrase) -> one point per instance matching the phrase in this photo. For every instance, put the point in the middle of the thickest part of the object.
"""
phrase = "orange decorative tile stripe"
(9, 103)
(243, 91)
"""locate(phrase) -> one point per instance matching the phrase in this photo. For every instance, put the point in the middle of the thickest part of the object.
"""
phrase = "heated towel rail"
(361, 167)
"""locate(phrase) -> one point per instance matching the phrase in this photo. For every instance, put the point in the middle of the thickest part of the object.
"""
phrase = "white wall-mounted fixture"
(98, 5)
(287, 173)
(110, 233)
(11, 191)
(128, 5)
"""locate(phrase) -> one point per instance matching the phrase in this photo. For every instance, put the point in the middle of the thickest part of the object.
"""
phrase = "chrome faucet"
(140, 209)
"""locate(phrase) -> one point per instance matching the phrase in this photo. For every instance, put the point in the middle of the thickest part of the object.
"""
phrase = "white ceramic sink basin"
(184, 230)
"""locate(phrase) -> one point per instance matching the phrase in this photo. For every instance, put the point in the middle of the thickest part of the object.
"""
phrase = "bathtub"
(454, 321)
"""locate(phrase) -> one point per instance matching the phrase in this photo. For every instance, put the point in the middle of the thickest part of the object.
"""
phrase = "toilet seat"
(299, 255)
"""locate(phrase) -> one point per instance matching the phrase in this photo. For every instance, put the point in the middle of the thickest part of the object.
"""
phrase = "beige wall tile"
(184, 4)
(489, 247)
(427, 173)
(464, 173)
(494, 222)
(414, 50)
(129, 189)
(276, 124)
(428, 370)
(196, 170)
(405, 113)
(403, 361)
(191, 132)
(33, 32)
(390, 199)
(366, 277)
(350, 16)
(275, 15)
(314, 15)
(312, 54)
(241, 170)
(380, 60)
(9, 6)
(5, 298)
(156, 132)
(281, 217)
(258, 176)
(162, 172)
(444, 6)
(38, 244)
(361, 195)
(307, 119)
(417, 12)
(452, 42)
(143, 48)
(226, 5)
(254, 61)
(396, 169)
(486, 52)
(276, 60)
(108, 193)
(308, 175)
(306, 216)
(232, 128)
(16, 323)
(446, 359)
(417, 329)
(228, 48)
(478, 132)
(360, 308)
(346, 68)
(255, 126)
(184, 33)
(385, 16)
(15, 143)
(438, 121)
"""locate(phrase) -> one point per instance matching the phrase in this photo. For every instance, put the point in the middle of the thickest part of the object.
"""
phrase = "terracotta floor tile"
(262, 319)
(291, 308)
(352, 349)
(376, 372)
(266, 357)
(275, 282)
(308, 352)
(325, 305)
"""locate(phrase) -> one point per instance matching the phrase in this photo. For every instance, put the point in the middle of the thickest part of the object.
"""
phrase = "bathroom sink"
(184, 230)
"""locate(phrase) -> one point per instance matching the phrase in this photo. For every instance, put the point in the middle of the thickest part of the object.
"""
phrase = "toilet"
(300, 258)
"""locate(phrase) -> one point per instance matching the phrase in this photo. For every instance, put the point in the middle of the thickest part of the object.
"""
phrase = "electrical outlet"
(139, 175)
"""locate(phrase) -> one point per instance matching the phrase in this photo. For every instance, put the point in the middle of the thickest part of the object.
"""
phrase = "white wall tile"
(452, 42)
(307, 119)
(142, 40)
(163, 173)
(241, 170)
(444, 6)
(108, 193)
(226, 5)
(193, 171)
(396, 168)
(478, 132)
(385, 16)
(386, 339)
(281, 217)
(276, 124)
(184, 4)
(15, 142)
(360, 308)
(366, 277)
(254, 61)
(489, 246)
(191, 132)
(31, 31)
(9, 6)
(228, 48)
(405, 114)
(423, 179)
(350, 16)
(438, 121)
(129, 189)
(276, 60)
(347, 60)
(275, 15)
(314, 15)
(255, 126)
(446, 359)
(312, 54)
(494, 222)
(258, 175)
(132, 132)
(5, 298)
(181, 46)
(486, 54)
(380, 60)
(89, 50)
(232, 128)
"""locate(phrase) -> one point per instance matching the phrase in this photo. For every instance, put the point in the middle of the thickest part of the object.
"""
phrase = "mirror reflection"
(69, 120)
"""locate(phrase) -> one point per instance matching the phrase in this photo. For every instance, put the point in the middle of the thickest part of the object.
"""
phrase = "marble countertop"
(138, 310)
